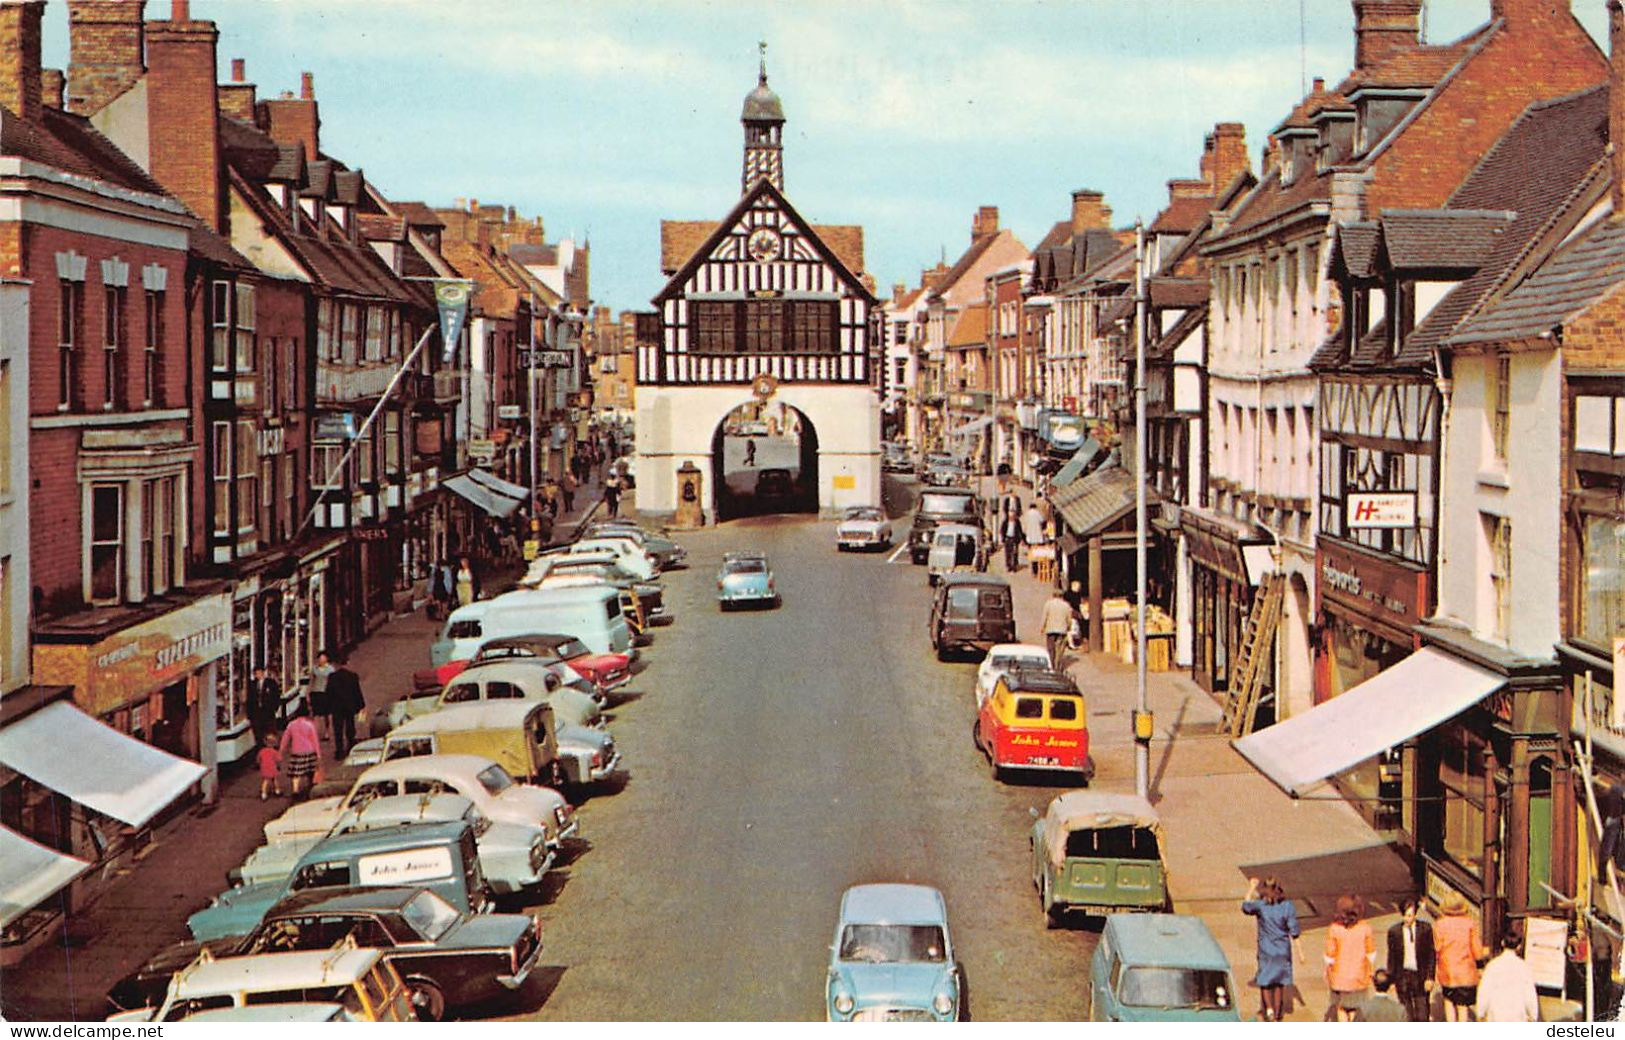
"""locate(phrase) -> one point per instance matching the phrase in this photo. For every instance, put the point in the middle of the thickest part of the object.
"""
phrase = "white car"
(1005, 657)
(864, 527)
(497, 794)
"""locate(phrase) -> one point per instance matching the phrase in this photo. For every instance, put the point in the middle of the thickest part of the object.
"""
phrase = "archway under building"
(764, 460)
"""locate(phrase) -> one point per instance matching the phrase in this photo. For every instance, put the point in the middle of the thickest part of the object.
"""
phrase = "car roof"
(1019, 649)
(385, 839)
(508, 667)
(958, 529)
(533, 598)
(893, 904)
(260, 972)
(464, 766)
(301, 1012)
(945, 489)
(1165, 940)
(973, 578)
(501, 713)
(1038, 680)
(544, 640)
(414, 808)
(743, 554)
(351, 898)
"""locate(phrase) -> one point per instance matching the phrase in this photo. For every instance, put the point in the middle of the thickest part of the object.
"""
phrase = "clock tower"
(764, 129)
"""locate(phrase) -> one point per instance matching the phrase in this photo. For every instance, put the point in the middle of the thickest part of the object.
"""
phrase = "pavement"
(146, 908)
(1224, 821)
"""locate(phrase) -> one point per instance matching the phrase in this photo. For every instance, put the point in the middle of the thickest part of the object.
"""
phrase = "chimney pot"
(239, 70)
(180, 10)
(307, 86)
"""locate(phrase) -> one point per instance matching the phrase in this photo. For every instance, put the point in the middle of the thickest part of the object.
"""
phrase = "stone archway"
(764, 460)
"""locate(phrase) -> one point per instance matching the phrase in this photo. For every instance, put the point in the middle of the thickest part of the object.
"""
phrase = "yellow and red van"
(1034, 720)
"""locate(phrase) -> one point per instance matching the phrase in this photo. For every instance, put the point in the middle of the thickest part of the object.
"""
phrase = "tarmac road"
(777, 757)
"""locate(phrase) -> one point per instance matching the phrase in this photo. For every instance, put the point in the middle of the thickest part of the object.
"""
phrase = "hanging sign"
(451, 299)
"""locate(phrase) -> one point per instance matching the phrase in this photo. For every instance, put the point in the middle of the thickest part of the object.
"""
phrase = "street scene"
(1195, 595)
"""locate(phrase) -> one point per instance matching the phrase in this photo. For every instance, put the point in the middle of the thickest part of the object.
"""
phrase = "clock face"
(763, 244)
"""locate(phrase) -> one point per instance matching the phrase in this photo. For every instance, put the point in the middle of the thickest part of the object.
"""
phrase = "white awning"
(30, 874)
(1413, 696)
(492, 482)
(497, 505)
(970, 427)
(73, 754)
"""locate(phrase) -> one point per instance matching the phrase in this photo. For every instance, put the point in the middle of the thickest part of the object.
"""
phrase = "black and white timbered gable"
(764, 294)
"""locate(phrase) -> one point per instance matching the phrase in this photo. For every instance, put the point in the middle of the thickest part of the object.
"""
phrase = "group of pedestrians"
(293, 746)
(1422, 957)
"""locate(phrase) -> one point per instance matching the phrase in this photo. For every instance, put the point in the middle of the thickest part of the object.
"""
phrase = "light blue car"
(746, 579)
(892, 959)
(1160, 968)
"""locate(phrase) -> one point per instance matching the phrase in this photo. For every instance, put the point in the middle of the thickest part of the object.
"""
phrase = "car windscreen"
(745, 567)
(1009, 662)
(866, 514)
(494, 779)
(429, 915)
(1113, 843)
(962, 603)
(1169, 988)
(572, 648)
(892, 943)
(942, 503)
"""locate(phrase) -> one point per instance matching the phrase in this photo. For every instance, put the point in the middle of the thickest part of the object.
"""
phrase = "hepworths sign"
(1389, 509)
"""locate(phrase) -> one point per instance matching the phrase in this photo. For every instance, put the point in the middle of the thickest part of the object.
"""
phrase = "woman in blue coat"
(1277, 943)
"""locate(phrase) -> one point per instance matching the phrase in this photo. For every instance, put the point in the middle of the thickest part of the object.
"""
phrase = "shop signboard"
(508, 411)
(142, 659)
(1380, 590)
(1392, 510)
(482, 449)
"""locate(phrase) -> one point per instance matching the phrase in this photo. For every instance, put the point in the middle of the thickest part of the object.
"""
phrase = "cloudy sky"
(902, 115)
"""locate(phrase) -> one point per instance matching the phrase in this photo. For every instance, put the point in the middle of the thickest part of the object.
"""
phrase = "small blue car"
(892, 959)
(1160, 968)
(746, 578)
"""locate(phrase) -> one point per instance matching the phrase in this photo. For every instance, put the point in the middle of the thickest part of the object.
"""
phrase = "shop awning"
(506, 488)
(1092, 504)
(1413, 696)
(1076, 464)
(94, 764)
(971, 427)
(498, 505)
(30, 874)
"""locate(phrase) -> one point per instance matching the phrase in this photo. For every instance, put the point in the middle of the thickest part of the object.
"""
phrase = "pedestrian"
(264, 703)
(612, 494)
(1411, 961)
(1278, 934)
(568, 484)
(468, 583)
(269, 760)
(750, 453)
(1010, 536)
(1351, 955)
(442, 587)
(1458, 948)
(300, 747)
(317, 699)
(1032, 527)
(1076, 636)
(344, 688)
(1057, 619)
(1507, 993)
(1376, 1007)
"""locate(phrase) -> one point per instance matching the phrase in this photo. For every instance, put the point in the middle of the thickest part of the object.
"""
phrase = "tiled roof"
(979, 245)
(1435, 238)
(494, 292)
(1358, 242)
(204, 242)
(69, 143)
(1055, 236)
(1412, 67)
(347, 187)
(1182, 215)
(1271, 199)
(381, 227)
(1091, 504)
(318, 180)
(971, 328)
(1537, 166)
(680, 238)
(417, 214)
(846, 242)
(289, 165)
(546, 256)
(1116, 266)
(1570, 281)
(1176, 293)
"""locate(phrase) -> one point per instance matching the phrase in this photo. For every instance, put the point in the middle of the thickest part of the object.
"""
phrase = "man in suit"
(344, 693)
(1411, 960)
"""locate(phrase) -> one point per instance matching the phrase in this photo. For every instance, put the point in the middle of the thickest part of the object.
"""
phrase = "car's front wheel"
(428, 1001)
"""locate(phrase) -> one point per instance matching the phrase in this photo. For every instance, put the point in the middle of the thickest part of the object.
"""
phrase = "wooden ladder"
(1257, 642)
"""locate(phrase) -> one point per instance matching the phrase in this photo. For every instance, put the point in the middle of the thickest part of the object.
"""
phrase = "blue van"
(1160, 968)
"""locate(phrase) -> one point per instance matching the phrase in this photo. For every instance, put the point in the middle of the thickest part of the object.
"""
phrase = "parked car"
(651, 595)
(284, 1014)
(1160, 968)
(971, 611)
(1034, 720)
(513, 856)
(774, 483)
(609, 671)
(591, 615)
(630, 557)
(439, 856)
(939, 505)
(746, 578)
(358, 979)
(480, 780)
(892, 959)
(446, 957)
(1005, 657)
(955, 548)
(667, 553)
(863, 527)
(488, 728)
(1099, 854)
(516, 678)
(945, 475)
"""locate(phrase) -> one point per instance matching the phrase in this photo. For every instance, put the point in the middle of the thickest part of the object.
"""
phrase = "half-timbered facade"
(759, 305)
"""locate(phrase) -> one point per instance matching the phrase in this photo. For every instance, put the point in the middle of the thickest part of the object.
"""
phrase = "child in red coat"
(270, 763)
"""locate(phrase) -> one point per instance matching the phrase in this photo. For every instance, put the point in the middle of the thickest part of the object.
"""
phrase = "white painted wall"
(677, 424)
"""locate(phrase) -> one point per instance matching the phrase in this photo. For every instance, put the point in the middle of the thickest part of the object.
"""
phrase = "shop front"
(1368, 606)
(1221, 594)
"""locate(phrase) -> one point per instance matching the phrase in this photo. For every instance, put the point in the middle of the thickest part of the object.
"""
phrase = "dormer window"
(1378, 111)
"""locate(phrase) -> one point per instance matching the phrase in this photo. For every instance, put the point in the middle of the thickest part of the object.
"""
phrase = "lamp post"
(1142, 714)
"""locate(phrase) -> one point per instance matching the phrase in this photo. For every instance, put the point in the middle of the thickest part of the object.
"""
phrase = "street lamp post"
(1142, 715)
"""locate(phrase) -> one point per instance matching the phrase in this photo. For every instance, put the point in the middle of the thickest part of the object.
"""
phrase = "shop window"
(1540, 831)
(1602, 580)
(106, 542)
(1461, 783)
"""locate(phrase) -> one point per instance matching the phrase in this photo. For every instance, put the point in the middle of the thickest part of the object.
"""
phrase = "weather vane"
(761, 46)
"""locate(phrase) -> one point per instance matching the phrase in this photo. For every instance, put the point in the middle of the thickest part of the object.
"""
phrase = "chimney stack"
(237, 97)
(1383, 28)
(183, 114)
(1181, 188)
(1089, 211)
(1230, 159)
(897, 291)
(295, 120)
(986, 222)
(53, 88)
(105, 51)
(1616, 104)
(20, 57)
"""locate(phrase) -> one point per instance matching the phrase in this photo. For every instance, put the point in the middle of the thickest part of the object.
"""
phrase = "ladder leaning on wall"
(1242, 698)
